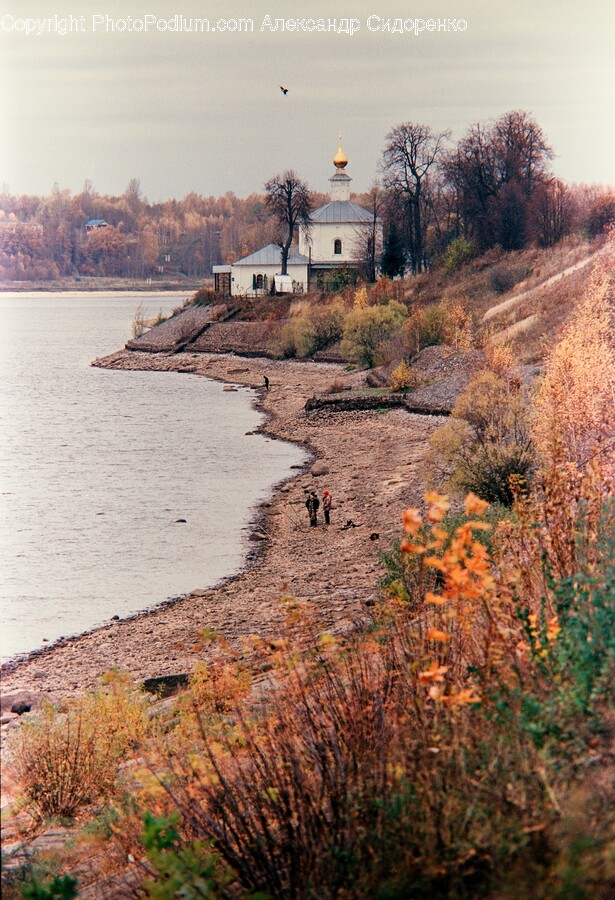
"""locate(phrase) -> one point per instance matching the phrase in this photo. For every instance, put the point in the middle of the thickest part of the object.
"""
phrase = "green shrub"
(286, 340)
(337, 280)
(459, 252)
(191, 871)
(318, 327)
(314, 328)
(367, 331)
(64, 888)
(425, 328)
(574, 651)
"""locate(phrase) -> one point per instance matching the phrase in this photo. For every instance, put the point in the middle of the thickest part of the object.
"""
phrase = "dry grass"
(67, 757)
(403, 762)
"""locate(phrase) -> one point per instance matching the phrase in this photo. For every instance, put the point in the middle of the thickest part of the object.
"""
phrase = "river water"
(97, 466)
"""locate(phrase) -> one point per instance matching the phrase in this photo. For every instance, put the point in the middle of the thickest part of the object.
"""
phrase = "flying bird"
(284, 90)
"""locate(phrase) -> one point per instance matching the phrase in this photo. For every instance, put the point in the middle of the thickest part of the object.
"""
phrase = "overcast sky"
(203, 111)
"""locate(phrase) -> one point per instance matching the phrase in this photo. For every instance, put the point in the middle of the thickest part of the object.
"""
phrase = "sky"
(107, 102)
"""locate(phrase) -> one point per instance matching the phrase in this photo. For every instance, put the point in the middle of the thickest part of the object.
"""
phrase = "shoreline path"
(373, 461)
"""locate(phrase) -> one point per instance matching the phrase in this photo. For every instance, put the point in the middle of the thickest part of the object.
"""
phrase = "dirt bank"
(370, 459)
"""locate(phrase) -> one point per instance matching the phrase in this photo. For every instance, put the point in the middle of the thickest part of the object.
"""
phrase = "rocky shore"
(368, 459)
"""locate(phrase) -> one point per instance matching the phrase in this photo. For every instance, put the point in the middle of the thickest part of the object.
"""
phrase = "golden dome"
(339, 160)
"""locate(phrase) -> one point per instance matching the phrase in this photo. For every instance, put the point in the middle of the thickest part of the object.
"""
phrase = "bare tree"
(471, 170)
(411, 150)
(368, 242)
(495, 172)
(554, 212)
(290, 201)
(521, 150)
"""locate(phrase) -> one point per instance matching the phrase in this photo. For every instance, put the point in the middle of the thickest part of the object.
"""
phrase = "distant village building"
(94, 224)
(333, 242)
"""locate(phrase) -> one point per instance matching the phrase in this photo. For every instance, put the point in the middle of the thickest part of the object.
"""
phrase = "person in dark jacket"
(326, 506)
(312, 503)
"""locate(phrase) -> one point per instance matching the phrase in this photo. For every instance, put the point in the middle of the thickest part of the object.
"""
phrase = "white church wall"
(243, 277)
(323, 237)
(322, 242)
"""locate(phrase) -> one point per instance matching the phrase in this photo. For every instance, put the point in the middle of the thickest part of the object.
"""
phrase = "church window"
(259, 282)
(337, 247)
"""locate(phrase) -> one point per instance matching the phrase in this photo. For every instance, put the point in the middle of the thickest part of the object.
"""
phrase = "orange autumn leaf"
(465, 696)
(409, 547)
(476, 525)
(475, 506)
(436, 499)
(436, 634)
(435, 599)
(433, 673)
(438, 506)
(412, 521)
(553, 629)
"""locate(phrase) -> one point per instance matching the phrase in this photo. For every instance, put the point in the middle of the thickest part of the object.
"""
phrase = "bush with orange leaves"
(461, 619)
(497, 630)
(405, 760)
(349, 778)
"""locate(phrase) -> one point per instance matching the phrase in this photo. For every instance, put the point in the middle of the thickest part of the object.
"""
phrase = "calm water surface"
(97, 466)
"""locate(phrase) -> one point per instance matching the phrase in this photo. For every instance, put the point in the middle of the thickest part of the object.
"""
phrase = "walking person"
(326, 506)
(266, 382)
(312, 503)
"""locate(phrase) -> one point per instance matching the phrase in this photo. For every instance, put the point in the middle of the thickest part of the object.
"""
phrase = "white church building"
(332, 242)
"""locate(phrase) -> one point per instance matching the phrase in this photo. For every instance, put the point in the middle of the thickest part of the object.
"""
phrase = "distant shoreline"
(92, 285)
(99, 292)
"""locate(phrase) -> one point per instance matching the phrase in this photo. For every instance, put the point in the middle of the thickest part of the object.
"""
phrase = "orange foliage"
(461, 615)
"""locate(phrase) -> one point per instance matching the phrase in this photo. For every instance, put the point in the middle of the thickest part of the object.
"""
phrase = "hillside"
(521, 299)
(413, 700)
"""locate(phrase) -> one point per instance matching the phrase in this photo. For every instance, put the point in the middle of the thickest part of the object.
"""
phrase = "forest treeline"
(439, 202)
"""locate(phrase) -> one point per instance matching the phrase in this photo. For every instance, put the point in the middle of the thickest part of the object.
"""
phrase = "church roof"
(341, 211)
(271, 255)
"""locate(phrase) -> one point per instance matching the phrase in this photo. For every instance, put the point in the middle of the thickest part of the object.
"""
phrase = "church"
(333, 242)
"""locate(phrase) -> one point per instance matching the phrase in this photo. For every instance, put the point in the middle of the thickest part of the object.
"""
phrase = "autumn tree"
(133, 195)
(601, 215)
(411, 152)
(290, 202)
(495, 173)
(553, 212)
(105, 251)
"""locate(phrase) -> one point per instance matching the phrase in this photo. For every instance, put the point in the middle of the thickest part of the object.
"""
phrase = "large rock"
(319, 469)
(19, 701)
